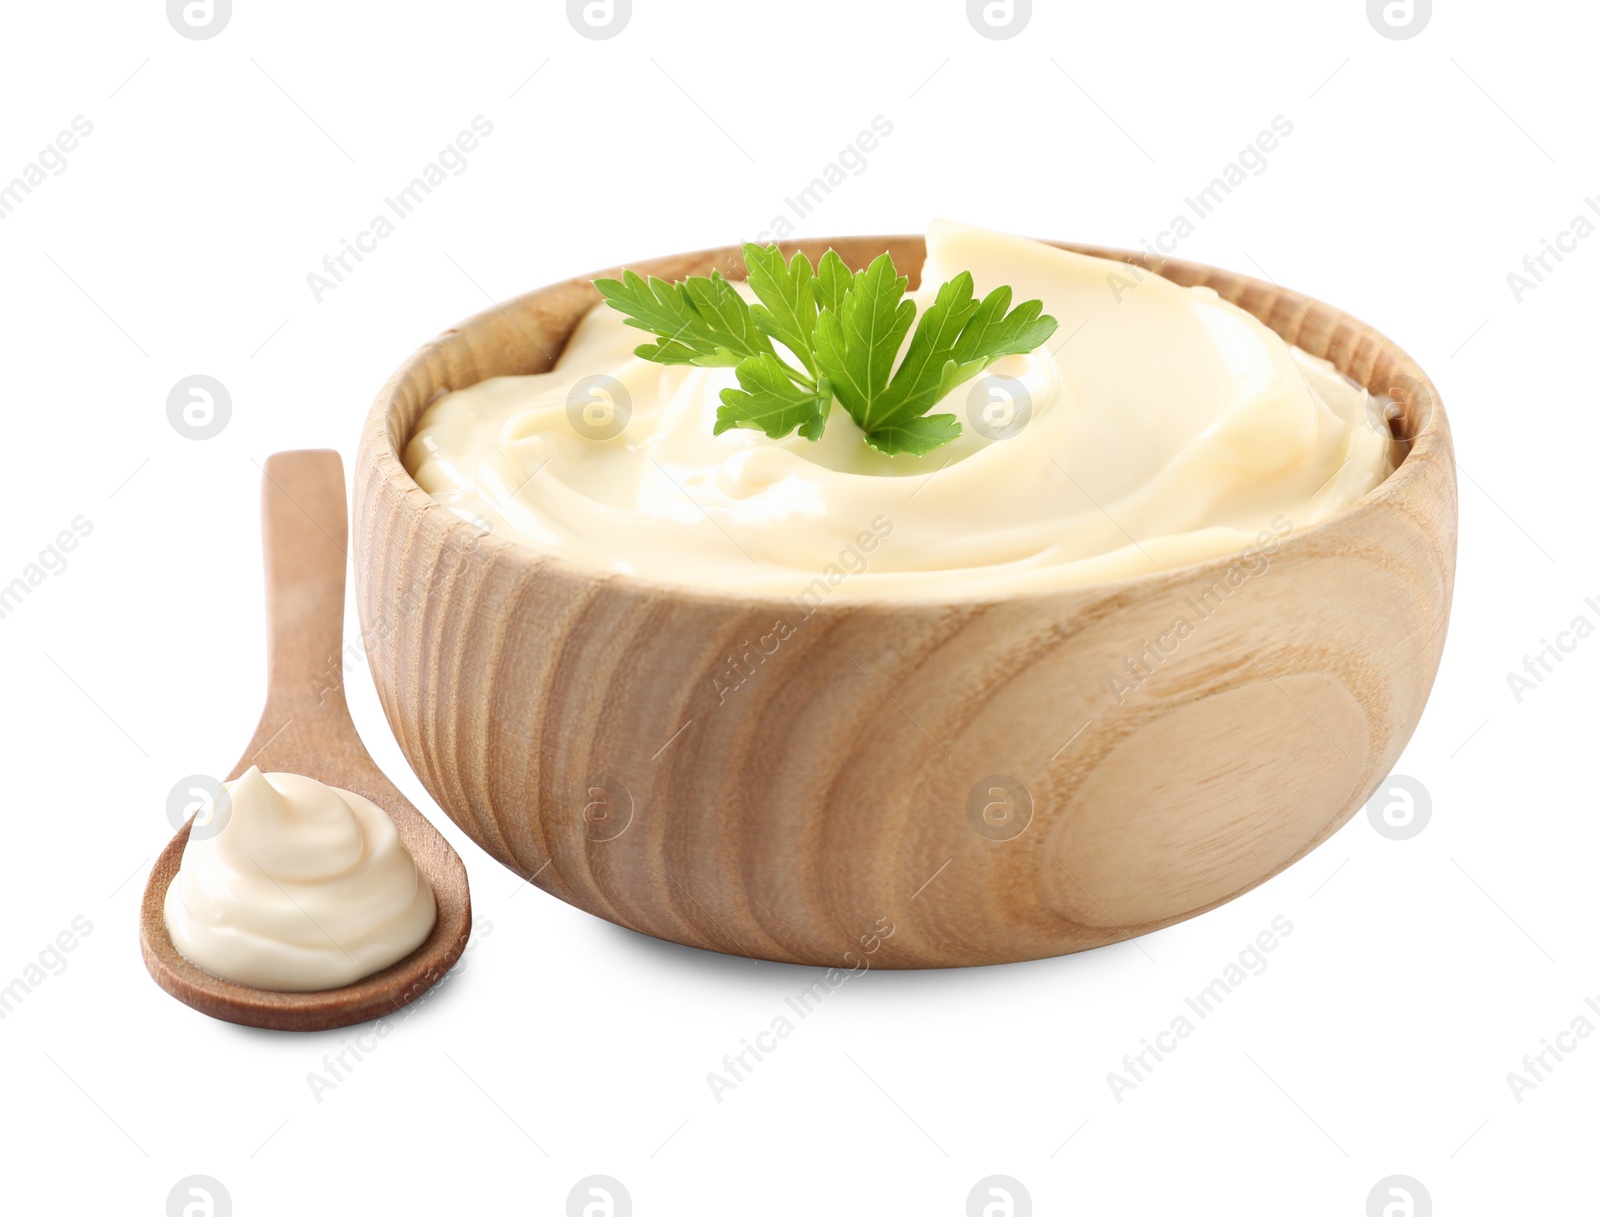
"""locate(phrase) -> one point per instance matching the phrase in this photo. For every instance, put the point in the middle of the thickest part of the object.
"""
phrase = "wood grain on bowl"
(964, 771)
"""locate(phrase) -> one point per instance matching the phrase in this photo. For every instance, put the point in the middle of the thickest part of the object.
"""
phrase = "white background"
(178, 240)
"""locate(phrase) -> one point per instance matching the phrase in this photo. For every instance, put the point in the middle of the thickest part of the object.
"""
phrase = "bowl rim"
(1426, 444)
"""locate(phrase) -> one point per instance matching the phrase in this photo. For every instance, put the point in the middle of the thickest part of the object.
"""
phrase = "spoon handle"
(304, 535)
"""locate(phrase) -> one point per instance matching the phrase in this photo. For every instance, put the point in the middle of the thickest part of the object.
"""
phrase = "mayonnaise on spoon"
(296, 886)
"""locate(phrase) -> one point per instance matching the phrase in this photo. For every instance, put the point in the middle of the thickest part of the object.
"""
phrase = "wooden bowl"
(958, 773)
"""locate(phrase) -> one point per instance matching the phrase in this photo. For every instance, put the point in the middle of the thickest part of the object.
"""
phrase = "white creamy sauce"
(297, 886)
(1159, 426)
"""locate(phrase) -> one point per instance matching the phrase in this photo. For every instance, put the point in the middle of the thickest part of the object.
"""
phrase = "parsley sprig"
(844, 331)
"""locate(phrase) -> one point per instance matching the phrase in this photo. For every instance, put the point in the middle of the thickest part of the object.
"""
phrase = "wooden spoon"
(306, 728)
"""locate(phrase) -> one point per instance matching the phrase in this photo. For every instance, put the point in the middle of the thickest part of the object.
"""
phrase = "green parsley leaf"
(832, 282)
(701, 321)
(846, 331)
(768, 400)
(857, 344)
(993, 333)
(788, 311)
(915, 435)
(918, 380)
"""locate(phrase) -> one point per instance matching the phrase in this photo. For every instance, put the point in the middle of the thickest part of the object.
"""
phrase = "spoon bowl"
(306, 728)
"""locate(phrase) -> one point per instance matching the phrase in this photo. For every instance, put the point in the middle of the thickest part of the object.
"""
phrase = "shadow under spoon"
(306, 728)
